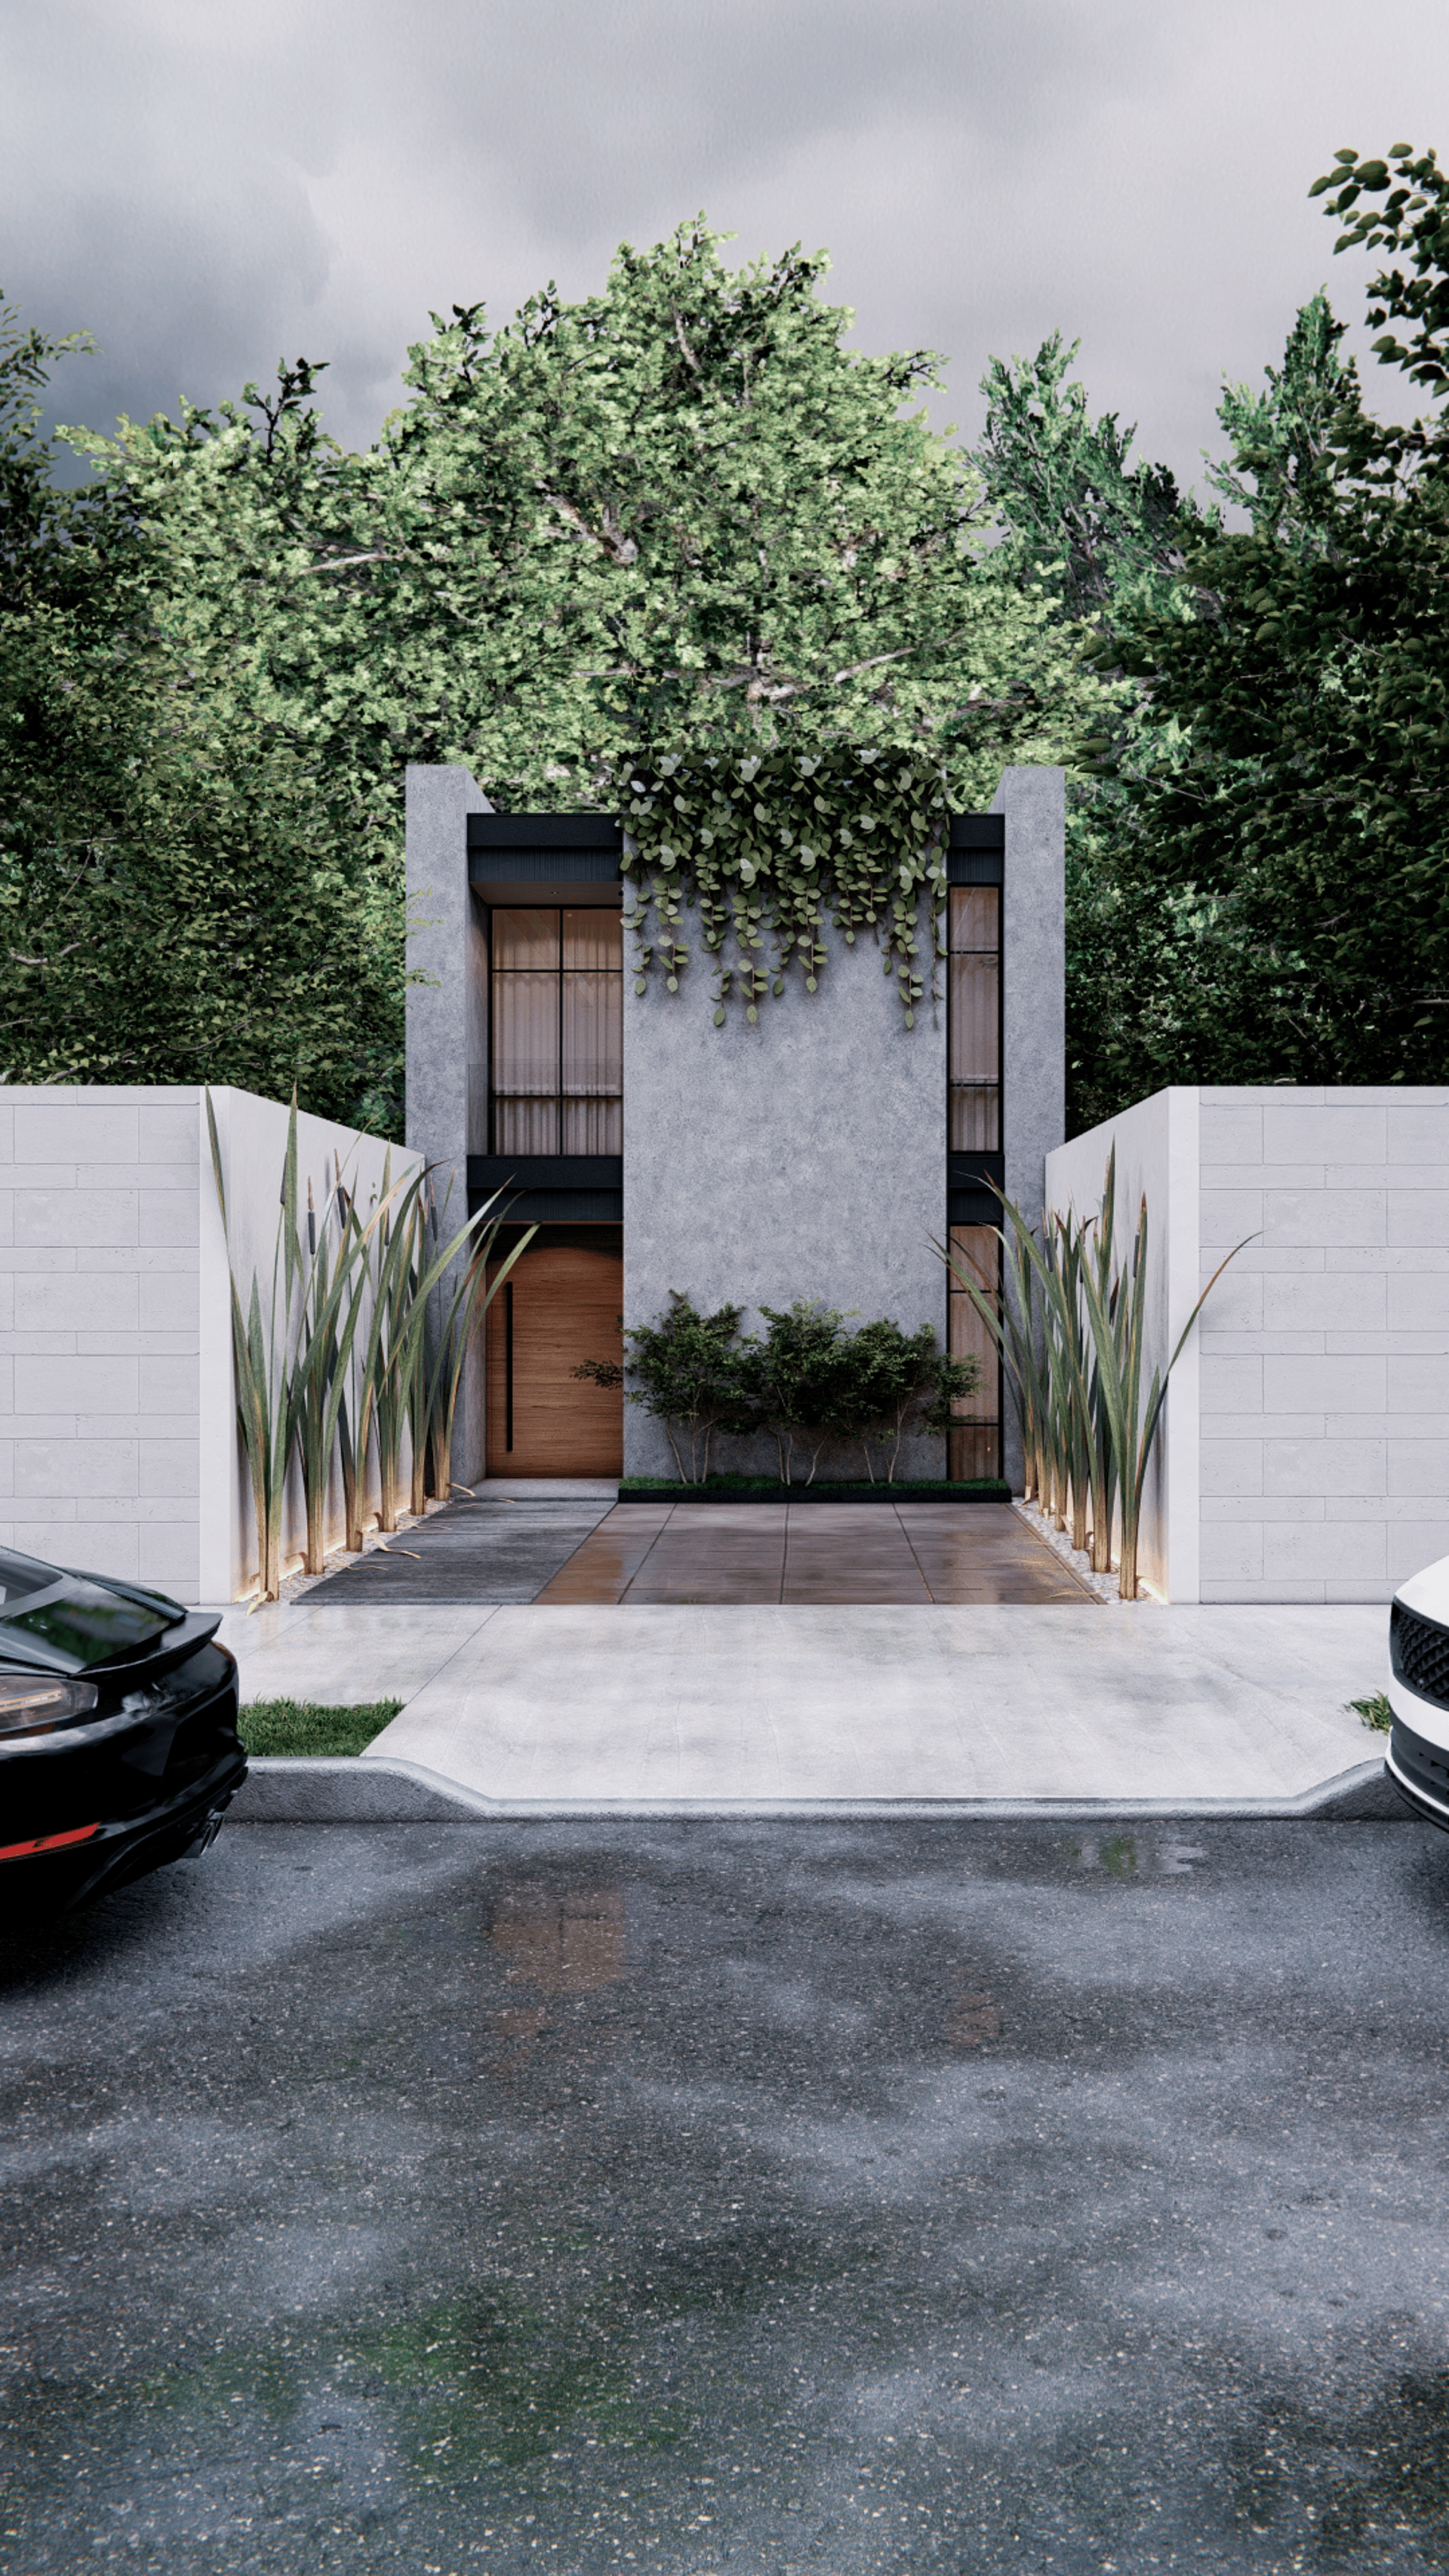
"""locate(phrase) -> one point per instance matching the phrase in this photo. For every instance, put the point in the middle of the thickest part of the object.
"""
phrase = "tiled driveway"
(816, 1553)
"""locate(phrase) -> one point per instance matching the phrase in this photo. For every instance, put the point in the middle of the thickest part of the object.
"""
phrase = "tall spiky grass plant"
(1070, 1325)
(340, 1361)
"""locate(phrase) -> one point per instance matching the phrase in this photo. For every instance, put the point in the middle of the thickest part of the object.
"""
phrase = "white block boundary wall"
(1315, 1391)
(119, 1450)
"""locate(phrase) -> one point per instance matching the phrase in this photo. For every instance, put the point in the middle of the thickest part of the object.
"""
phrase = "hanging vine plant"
(766, 848)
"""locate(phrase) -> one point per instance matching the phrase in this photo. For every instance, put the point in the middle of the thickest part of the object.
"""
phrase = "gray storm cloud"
(211, 189)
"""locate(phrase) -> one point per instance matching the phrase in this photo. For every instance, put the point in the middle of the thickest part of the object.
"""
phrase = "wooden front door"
(559, 1305)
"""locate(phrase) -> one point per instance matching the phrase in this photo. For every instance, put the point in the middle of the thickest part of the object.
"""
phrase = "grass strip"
(302, 1726)
(1375, 1712)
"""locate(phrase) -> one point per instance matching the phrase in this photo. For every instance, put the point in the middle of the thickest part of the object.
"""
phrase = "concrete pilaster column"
(447, 1024)
(1033, 972)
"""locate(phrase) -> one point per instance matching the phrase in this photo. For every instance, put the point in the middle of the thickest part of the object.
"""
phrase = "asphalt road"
(710, 2198)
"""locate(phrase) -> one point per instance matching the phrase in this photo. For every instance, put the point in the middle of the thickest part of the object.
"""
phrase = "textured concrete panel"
(1230, 1384)
(1330, 1302)
(1418, 1467)
(1419, 1382)
(1232, 1467)
(801, 1157)
(73, 1385)
(69, 1127)
(445, 1016)
(61, 1470)
(1335, 1130)
(1314, 1216)
(1418, 1217)
(1340, 1385)
(1033, 1000)
(55, 1217)
(44, 1303)
(1230, 1135)
(1418, 1128)
(1322, 1467)
(1348, 1551)
(1411, 1545)
(1033, 977)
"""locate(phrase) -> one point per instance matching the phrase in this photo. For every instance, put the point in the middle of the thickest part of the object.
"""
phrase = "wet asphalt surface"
(735, 2197)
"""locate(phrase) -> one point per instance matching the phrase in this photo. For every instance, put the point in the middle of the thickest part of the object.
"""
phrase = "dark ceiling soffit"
(540, 867)
(543, 832)
(558, 1207)
(602, 832)
(545, 1172)
(510, 894)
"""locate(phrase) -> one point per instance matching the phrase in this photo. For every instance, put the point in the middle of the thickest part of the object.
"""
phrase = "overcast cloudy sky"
(209, 186)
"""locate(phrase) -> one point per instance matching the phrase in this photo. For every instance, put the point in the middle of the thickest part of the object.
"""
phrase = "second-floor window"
(556, 1054)
(973, 1019)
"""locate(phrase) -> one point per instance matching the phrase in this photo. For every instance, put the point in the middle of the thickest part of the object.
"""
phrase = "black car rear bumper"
(85, 1807)
(46, 1882)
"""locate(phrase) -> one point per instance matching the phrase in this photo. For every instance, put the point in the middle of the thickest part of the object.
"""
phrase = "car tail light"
(31, 1702)
(47, 1842)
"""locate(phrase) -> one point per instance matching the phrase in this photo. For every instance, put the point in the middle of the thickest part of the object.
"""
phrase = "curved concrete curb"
(293, 1790)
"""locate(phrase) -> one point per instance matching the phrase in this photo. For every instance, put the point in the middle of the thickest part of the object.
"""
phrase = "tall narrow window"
(557, 1033)
(973, 1444)
(974, 1019)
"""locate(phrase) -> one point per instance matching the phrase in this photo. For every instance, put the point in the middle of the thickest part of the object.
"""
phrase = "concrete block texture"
(1329, 1129)
(118, 1440)
(800, 1157)
(1323, 1379)
(1417, 1217)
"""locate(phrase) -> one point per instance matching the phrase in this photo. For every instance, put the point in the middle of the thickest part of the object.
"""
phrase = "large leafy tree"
(1279, 886)
(679, 516)
(175, 903)
(680, 512)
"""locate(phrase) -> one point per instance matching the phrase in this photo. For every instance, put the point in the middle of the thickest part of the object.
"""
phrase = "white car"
(1418, 1755)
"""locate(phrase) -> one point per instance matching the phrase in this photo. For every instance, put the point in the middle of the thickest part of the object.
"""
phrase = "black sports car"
(119, 1748)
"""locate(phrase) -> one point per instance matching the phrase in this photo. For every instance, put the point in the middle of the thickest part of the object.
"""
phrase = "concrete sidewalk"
(654, 1706)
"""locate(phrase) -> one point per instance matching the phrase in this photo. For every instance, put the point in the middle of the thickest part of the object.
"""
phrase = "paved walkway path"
(485, 1550)
(669, 1703)
(572, 1542)
(813, 1553)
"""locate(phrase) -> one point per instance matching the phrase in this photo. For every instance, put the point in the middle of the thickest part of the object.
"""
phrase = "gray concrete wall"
(1033, 1002)
(447, 1027)
(801, 1157)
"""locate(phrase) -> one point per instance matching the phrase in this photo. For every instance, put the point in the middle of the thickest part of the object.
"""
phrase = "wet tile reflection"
(564, 1943)
(822, 1553)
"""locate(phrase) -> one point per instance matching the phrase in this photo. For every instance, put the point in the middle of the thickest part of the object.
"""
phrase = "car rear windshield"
(22, 1576)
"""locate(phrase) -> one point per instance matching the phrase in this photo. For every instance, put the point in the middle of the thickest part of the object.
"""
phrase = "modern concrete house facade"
(816, 1153)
